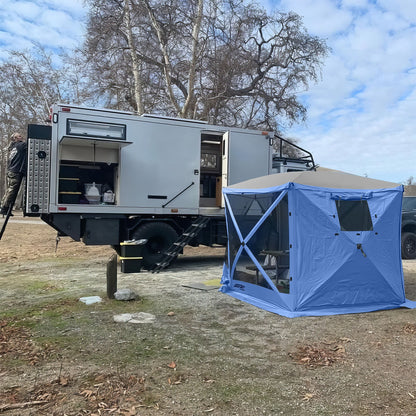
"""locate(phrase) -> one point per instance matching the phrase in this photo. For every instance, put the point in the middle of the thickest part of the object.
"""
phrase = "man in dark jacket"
(16, 169)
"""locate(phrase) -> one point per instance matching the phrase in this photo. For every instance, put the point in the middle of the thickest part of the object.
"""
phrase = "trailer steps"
(172, 252)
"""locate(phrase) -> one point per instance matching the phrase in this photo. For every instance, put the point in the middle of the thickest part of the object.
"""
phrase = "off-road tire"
(160, 236)
(409, 246)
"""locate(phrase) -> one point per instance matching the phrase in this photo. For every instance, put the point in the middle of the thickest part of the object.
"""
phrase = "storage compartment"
(101, 231)
(91, 161)
(90, 181)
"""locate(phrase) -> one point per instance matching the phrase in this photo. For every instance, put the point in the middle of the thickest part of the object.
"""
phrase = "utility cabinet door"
(162, 164)
(249, 156)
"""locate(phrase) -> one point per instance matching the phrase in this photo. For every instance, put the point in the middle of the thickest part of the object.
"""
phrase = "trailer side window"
(95, 129)
(354, 215)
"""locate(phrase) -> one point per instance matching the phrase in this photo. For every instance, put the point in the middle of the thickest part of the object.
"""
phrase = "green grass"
(43, 286)
(71, 327)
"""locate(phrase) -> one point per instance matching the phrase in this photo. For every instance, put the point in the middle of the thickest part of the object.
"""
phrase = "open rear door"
(225, 164)
(38, 169)
(249, 156)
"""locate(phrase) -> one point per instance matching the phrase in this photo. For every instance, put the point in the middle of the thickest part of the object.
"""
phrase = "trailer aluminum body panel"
(104, 176)
(156, 162)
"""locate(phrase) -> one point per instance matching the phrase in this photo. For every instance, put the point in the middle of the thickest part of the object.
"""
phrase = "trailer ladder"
(172, 252)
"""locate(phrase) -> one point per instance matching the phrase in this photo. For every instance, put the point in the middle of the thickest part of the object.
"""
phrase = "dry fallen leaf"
(171, 313)
(339, 348)
(171, 382)
(318, 355)
(87, 393)
(308, 396)
(328, 342)
(208, 380)
(132, 411)
(44, 397)
(63, 381)
(409, 328)
(172, 365)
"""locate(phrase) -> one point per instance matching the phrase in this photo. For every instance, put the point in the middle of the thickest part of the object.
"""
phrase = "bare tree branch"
(228, 61)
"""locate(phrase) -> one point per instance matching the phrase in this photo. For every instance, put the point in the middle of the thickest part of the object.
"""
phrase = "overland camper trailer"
(106, 176)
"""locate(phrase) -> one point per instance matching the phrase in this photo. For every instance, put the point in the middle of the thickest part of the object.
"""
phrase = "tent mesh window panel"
(233, 240)
(247, 271)
(354, 215)
(268, 244)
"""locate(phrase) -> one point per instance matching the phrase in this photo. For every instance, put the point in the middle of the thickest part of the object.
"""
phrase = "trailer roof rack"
(306, 159)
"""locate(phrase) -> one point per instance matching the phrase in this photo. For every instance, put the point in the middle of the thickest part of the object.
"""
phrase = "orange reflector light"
(174, 210)
(67, 109)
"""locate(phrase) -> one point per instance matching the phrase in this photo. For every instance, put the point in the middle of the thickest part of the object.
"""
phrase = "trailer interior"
(211, 169)
(89, 157)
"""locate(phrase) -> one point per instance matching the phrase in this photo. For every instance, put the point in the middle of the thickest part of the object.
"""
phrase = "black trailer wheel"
(409, 246)
(160, 236)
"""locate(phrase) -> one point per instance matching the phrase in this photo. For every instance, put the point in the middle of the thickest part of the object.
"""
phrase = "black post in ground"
(112, 276)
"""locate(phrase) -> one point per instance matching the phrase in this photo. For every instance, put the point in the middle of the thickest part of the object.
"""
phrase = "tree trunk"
(190, 103)
(167, 68)
(136, 63)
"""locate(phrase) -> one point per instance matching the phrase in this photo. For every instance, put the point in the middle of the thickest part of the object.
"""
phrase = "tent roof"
(322, 177)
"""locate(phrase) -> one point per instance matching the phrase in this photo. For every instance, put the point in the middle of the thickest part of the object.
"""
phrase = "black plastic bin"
(131, 255)
(131, 264)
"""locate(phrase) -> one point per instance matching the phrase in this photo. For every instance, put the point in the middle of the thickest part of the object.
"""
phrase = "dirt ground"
(202, 353)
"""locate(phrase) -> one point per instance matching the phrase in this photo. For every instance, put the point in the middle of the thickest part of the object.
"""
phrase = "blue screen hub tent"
(315, 243)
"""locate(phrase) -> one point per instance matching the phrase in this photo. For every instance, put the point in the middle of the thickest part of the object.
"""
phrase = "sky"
(360, 113)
